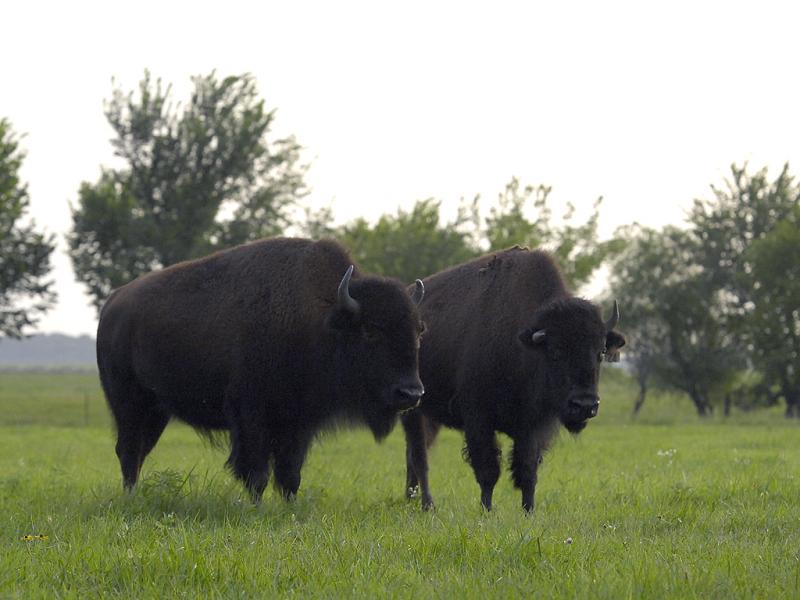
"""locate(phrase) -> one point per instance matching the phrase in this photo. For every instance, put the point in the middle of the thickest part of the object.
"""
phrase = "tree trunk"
(792, 396)
(727, 408)
(640, 399)
(792, 406)
(700, 403)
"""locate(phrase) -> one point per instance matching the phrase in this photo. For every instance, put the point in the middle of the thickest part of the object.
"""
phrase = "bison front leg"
(417, 457)
(524, 465)
(484, 456)
(249, 462)
(250, 449)
(290, 449)
(249, 459)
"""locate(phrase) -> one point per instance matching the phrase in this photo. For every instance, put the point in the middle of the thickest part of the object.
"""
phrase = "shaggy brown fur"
(485, 372)
(254, 340)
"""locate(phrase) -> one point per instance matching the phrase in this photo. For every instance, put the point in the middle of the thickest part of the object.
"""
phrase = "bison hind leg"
(140, 424)
(483, 454)
(133, 446)
(412, 483)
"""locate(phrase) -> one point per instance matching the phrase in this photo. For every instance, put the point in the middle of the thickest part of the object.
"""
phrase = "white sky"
(645, 105)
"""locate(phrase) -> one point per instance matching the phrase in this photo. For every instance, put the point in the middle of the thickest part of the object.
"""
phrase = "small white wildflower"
(568, 540)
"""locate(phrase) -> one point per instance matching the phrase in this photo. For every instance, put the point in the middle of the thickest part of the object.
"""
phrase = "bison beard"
(507, 349)
(271, 341)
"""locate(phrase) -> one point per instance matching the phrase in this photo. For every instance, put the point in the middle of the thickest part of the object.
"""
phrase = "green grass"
(664, 506)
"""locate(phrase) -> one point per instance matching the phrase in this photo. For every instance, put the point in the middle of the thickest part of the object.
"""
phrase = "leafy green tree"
(675, 334)
(576, 247)
(194, 179)
(745, 209)
(416, 242)
(773, 320)
(743, 238)
(25, 294)
(411, 244)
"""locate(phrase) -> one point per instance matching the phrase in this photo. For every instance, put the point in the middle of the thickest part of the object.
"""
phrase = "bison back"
(249, 314)
(473, 313)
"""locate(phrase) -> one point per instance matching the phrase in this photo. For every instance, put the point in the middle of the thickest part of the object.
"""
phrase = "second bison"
(507, 348)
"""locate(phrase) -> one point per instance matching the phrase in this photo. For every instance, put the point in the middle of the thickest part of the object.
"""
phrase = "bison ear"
(532, 337)
(614, 341)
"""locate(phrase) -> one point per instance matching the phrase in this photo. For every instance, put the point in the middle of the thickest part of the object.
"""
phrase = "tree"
(576, 247)
(744, 238)
(25, 294)
(773, 321)
(411, 244)
(745, 209)
(194, 180)
(676, 337)
(414, 243)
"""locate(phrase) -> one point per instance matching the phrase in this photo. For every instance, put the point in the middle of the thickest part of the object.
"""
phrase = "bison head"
(565, 345)
(377, 328)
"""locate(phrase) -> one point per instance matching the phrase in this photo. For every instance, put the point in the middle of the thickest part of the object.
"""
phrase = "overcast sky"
(396, 101)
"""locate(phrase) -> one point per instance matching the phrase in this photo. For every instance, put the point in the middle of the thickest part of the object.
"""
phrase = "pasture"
(662, 507)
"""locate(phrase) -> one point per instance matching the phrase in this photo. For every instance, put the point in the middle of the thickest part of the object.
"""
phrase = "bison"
(270, 341)
(508, 349)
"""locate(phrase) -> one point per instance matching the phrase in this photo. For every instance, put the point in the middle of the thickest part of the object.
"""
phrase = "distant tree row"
(416, 243)
(711, 309)
(205, 176)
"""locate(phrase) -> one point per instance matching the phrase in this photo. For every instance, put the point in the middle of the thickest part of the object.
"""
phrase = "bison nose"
(407, 396)
(586, 403)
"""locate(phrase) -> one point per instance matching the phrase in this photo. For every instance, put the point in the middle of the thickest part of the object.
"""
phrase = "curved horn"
(344, 299)
(612, 322)
(538, 336)
(419, 292)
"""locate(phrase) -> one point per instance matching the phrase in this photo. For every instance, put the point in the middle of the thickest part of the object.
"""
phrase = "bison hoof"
(427, 505)
(412, 491)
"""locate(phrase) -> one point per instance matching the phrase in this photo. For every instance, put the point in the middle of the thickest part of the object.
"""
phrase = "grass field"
(661, 507)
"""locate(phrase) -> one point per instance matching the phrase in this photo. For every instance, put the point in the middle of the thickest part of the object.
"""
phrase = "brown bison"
(507, 349)
(270, 341)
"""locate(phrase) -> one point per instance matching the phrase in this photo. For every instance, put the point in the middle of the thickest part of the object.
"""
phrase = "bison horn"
(538, 336)
(344, 298)
(612, 322)
(419, 292)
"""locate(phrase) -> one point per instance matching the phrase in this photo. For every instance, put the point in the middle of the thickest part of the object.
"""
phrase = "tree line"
(711, 309)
